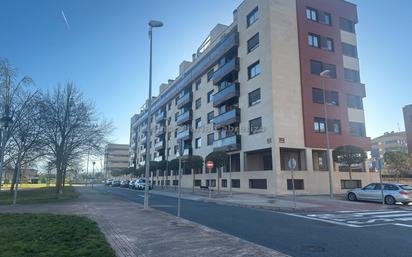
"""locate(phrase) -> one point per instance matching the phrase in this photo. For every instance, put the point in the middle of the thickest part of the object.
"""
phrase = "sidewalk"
(132, 231)
(316, 203)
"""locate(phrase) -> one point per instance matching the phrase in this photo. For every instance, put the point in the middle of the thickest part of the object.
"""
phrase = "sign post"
(210, 165)
(292, 167)
(379, 163)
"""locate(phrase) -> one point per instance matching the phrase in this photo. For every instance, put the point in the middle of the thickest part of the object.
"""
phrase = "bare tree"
(71, 128)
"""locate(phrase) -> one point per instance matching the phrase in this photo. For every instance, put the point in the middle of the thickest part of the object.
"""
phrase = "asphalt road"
(386, 234)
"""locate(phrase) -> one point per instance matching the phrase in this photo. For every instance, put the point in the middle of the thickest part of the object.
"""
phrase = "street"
(385, 233)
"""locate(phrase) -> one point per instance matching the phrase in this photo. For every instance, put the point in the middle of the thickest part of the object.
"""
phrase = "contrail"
(65, 20)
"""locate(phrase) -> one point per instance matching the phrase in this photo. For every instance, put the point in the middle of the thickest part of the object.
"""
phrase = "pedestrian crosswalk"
(401, 217)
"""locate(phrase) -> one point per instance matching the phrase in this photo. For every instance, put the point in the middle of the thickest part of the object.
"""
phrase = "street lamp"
(326, 74)
(152, 24)
(5, 122)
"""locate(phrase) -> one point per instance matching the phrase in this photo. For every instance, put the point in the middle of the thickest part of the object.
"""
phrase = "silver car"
(392, 193)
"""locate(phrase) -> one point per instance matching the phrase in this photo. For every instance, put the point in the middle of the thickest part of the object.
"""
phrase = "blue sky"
(105, 51)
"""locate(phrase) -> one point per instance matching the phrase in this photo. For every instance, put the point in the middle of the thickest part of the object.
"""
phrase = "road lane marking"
(323, 220)
(394, 215)
(403, 225)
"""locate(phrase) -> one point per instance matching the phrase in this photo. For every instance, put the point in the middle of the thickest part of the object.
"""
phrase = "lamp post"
(325, 74)
(5, 122)
(93, 173)
(152, 24)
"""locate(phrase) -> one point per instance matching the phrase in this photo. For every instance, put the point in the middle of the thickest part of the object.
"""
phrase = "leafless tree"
(71, 128)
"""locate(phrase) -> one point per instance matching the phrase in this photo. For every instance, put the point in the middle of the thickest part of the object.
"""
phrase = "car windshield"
(406, 187)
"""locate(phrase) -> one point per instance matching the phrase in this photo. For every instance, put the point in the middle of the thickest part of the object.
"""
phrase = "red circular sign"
(210, 164)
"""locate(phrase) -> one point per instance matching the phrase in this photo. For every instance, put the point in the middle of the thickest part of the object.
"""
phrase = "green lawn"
(37, 195)
(48, 235)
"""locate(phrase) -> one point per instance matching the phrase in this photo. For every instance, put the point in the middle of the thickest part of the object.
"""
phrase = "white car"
(140, 184)
(392, 193)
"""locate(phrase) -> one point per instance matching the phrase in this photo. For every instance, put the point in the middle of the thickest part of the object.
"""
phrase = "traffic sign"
(292, 164)
(210, 164)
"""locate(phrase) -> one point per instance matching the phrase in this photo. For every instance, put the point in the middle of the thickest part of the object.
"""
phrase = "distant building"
(116, 157)
(388, 142)
(407, 116)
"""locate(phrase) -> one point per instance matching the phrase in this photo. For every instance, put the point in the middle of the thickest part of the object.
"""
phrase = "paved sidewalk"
(316, 203)
(133, 231)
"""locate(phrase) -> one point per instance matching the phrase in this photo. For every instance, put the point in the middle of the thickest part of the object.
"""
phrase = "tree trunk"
(14, 178)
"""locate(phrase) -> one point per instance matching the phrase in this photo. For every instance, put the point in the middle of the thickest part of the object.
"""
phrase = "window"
(319, 159)
(169, 106)
(198, 103)
(197, 84)
(347, 25)
(211, 182)
(314, 40)
(253, 43)
(319, 125)
(210, 74)
(334, 126)
(357, 129)
(351, 75)
(224, 182)
(292, 153)
(332, 97)
(311, 14)
(258, 183)
(329, 44)
(252, 17)
(210, 117)
(198, 182)
(175, 182)
(255, 126)
(210, 96)
(298, 183)
(349, 50)
(327, 18)
(236, 183)
(198, 123)
(198, 142)
(210, 138)
(254, 97)
(354, 101)
(176, 148)
(176, 115)
(316, 67)
(169, 134)
(349, 184)
(253, 70)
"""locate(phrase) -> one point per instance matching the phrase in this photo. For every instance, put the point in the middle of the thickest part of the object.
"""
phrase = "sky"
(104, 50)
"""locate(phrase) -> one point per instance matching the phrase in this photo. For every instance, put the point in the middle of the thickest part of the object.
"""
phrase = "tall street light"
(5, 122)
(152, 24)
(325, 74)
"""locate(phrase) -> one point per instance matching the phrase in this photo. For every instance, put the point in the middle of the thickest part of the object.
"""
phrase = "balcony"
(144, 128)
(230, 143)
(160, 131)
(187, 151)
(230, 66)
(160, 117)
(226, 94)
(184, 118)
(159, 145)
(183, 100)
(184, 134)
(158, 158)
(143, 140)
(227, 118)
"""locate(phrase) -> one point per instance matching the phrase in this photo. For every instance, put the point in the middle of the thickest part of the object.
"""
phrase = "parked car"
(108, 182)
(131, 183)
(124, 183)
(140, 184)
(392, 193)
(115, 183)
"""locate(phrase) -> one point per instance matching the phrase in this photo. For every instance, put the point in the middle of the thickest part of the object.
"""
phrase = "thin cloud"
(65, 20)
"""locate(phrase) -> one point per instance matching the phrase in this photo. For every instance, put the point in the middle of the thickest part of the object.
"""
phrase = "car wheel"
(390, 200)
(352, 197)
(405, 203)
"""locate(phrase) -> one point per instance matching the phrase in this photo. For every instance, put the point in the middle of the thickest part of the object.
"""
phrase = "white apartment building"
(253, 89)
(116, 157)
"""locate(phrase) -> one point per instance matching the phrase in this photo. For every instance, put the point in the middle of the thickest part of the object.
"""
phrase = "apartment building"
(389, 141)
(116, 157)
(407, 117)
(254, 90)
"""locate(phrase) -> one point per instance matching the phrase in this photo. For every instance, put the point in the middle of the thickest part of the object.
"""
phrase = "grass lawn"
(37, 195)
(48, 235)
(26, 185)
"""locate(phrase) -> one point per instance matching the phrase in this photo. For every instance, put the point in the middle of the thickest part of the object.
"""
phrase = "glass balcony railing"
(160, 131)
(183, 100)
(144, 128)
(159, 145)
(230, 66)
(143, 140)
(184, 118)
(227, 118)
(160, 117)
(226, 94)
(230, 143)
(184, 134)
